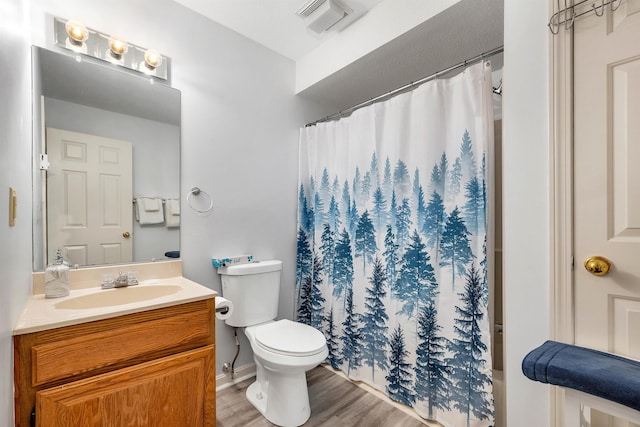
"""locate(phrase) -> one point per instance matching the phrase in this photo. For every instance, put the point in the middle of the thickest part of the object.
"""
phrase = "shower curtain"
(392, 248)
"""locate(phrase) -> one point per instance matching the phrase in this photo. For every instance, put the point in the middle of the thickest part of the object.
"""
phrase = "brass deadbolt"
(597, 265)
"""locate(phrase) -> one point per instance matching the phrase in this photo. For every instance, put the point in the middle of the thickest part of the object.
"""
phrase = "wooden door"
(607, 181)
(89, 198)
(174, 391)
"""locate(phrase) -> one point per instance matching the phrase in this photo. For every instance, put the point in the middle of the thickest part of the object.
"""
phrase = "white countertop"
(43, 313)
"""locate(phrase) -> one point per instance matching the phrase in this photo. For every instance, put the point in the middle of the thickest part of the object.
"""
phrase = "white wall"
(240, 121)
(526, 215)
(15, 171)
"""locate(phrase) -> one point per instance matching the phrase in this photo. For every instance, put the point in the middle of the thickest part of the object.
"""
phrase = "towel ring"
(195, 191)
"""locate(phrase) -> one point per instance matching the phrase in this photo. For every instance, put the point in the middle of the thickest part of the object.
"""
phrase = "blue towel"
(601, 374)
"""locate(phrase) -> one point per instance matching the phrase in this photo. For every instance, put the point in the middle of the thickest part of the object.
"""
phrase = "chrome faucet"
(121, 280)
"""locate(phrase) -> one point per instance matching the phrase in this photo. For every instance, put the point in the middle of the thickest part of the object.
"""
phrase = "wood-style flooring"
(334, 401)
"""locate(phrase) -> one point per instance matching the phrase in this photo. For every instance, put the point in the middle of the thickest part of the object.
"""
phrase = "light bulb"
(152, 58)
(76, 31)
(118, 46)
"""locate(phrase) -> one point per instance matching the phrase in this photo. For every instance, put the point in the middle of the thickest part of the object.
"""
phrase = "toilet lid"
(290, 338)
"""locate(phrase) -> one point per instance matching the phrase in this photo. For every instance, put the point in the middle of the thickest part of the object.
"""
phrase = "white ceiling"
(462, 31)
(273, 23)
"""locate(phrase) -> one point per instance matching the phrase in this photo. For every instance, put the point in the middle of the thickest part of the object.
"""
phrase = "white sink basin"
(117, 296)
(90, 303)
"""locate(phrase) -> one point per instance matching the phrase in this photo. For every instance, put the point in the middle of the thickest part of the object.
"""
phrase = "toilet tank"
(254, 290)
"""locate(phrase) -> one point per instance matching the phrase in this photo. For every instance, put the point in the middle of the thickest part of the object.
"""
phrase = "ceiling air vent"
(320, 15)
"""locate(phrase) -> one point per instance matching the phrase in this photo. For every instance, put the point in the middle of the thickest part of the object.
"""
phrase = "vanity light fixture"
(75, 36)
(152, 59)
(117, 46)
(77, 31)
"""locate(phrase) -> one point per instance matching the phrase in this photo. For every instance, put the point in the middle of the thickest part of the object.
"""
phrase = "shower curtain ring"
(595, 9)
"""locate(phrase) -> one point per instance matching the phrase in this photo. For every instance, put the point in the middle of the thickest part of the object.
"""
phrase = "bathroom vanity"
(137, 356)
(118, 358)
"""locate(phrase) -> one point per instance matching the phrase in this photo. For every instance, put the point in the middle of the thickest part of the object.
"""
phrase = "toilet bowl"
(283, 351)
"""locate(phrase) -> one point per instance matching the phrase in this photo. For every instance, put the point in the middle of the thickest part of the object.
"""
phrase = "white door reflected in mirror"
(89, 198)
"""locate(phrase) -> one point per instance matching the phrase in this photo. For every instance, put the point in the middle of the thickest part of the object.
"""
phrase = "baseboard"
(242, 373)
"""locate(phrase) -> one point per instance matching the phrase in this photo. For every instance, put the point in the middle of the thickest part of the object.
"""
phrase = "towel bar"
(163, 201)
(576, 413)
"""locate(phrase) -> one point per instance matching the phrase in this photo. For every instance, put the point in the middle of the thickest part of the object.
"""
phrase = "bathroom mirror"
(88, 114)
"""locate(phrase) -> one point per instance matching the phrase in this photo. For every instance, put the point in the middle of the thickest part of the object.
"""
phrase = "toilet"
(283, 350)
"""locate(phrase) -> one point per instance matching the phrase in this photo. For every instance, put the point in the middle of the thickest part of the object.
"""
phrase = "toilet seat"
(290, 338)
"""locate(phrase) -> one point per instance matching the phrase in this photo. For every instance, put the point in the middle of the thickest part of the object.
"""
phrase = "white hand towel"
(151, 204)
(174, 205)
(145, 216)
(172, 212)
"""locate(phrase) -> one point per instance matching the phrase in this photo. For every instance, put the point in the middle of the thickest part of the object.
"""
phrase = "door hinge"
(44, 162)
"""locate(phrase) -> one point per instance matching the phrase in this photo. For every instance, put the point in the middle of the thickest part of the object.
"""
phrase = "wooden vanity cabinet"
(152, 368)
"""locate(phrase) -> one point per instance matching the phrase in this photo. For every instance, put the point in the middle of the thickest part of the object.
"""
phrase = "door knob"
(126, 234)
(597, 265)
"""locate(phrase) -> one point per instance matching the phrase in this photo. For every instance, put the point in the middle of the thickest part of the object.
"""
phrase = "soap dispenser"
(56, 278)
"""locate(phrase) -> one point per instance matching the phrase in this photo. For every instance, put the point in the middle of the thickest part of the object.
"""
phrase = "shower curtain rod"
(465, 63)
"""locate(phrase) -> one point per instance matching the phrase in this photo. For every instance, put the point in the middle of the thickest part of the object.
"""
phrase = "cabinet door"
(177, 390)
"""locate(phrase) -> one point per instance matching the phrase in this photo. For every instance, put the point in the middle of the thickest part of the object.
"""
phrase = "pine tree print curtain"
(392, 248)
